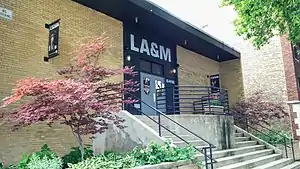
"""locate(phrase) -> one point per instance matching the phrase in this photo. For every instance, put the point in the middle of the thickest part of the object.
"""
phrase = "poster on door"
(215, 83)
(159, 86)
(146, 85)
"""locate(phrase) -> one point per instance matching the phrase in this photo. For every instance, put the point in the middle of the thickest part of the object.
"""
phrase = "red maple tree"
(84, 99)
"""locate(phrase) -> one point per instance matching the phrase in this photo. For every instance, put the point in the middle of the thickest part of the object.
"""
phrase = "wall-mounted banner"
(53, 48)
(215, 83)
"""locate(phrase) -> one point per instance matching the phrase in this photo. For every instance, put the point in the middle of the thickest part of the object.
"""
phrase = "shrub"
(8, 167)
(44, 153)
(153, 154)
(74, 156)
(36, 162)
(275, 136)
(258, 111)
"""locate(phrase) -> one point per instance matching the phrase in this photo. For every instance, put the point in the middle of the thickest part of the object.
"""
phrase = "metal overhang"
(154, 19)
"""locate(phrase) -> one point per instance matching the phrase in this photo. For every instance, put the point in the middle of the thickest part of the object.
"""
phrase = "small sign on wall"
(215, 83)
(53, 41)
(5, 13)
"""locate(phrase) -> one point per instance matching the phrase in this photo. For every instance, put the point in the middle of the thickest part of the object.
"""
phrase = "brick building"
(143, 35)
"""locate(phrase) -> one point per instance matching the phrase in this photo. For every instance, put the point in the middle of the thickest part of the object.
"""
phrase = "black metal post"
(159, 126)
(293, 151)
(209, 95)
(285, 147)
(205, 157)
(173, 88)
(247, 127)
(211, 157)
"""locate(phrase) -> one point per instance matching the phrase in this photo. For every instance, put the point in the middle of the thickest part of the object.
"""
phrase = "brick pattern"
(23, 45)
(263, 70)
(195, 68)
(292, 71)
(291, 67)
(231, 77)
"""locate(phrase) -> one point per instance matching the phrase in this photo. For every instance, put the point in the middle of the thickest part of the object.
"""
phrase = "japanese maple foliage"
(84, 99)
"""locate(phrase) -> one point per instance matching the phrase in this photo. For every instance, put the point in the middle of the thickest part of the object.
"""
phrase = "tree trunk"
(81, 145)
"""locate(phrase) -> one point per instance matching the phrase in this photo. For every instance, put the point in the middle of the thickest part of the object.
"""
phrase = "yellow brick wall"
(194, 68)
(23, 45)
(231, 78)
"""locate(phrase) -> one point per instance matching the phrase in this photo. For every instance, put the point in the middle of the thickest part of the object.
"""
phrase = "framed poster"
(215, 83)
(146, 85)
(53, 41)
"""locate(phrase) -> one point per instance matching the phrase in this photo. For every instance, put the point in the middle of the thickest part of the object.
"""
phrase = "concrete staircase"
(249, 152)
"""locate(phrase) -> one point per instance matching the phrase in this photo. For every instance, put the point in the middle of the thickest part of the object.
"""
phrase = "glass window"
(145, 66)
(157, 69)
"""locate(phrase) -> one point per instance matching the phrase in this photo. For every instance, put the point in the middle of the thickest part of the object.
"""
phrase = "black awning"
(154, 19)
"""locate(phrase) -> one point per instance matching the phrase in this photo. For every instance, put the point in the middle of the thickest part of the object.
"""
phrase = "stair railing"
(246, 125)
(208, 158)
(194, 99)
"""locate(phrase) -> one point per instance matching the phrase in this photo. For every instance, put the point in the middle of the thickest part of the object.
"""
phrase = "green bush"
(45, 152)
(74, 156)
(275, 136)
(8, 167)
(153, 154)
(38, 162)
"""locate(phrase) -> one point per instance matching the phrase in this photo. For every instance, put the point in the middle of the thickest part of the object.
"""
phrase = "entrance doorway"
(149, 85)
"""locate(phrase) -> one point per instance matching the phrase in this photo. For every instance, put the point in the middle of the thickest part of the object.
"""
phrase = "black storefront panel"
(153, 54)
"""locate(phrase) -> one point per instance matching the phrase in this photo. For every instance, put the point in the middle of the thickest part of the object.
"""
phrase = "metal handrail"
(212, 161)
(245, 117)
(193, 99)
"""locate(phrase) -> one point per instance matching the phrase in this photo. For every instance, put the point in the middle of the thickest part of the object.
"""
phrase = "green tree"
(260, 20)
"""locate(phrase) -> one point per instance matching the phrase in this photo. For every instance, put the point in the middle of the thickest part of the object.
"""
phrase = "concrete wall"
(216, 129)
(135, 134)
(172, 165)
(23, 44)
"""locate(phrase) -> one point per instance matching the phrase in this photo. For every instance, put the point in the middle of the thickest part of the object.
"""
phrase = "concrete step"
(242, 157)
(295, 165)
(184, 136)
(278, 164)
(166, 132)
(238, 134)
(252, 163)
(191, 142)
(245, 143)
(237, 151)
(240, 139)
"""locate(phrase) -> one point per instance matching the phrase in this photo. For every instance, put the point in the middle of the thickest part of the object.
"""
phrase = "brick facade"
(24, 41)
(195, 68)
(291, 69)
(231, 77)
(292, 73)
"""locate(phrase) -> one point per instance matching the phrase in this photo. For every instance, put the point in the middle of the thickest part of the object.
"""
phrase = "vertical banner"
(53, 48)
(215, 83)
